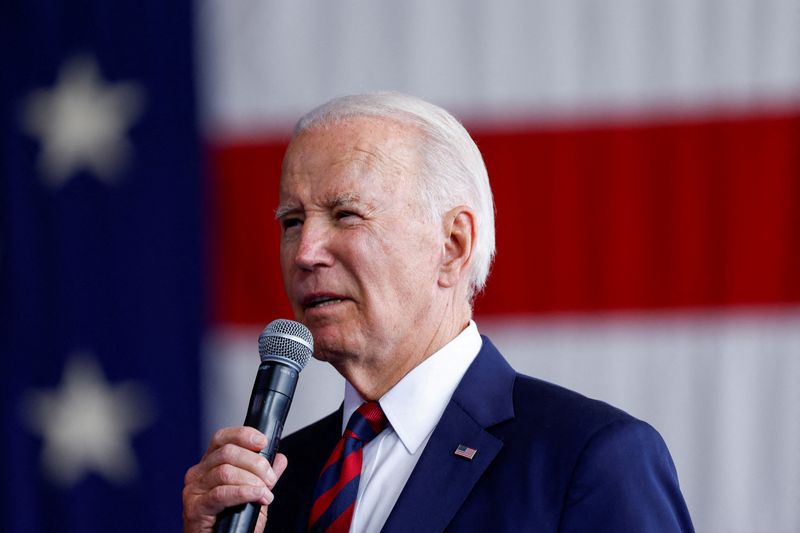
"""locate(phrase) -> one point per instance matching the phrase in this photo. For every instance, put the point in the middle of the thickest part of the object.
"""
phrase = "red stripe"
(342, 524)
(351, 468)
(246, 283)
(648, 215)
(373, 414)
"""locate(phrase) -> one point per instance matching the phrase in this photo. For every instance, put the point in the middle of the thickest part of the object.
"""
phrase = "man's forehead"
(340, 164)
(342, 181)
(370, 141)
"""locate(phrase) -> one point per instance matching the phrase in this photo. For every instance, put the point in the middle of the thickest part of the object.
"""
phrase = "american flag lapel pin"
(466, 452)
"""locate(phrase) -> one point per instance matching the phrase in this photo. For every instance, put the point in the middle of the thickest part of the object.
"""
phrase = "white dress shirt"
(413, 407)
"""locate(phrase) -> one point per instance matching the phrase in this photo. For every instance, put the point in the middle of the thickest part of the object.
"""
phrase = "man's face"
(359, 261)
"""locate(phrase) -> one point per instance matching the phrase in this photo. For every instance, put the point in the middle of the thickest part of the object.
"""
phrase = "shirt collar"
(416, 403)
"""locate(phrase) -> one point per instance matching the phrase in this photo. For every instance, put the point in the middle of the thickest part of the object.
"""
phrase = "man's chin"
(331, 344)
(335, 358)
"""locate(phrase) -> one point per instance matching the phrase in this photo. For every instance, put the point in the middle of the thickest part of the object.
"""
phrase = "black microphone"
(285, 346)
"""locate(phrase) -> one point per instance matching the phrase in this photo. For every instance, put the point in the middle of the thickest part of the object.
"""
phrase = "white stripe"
(265, 63)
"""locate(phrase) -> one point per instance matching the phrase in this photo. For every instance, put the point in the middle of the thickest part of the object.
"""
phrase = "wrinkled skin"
(366, 270)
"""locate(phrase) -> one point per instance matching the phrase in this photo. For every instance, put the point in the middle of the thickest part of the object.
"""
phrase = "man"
(388, 234)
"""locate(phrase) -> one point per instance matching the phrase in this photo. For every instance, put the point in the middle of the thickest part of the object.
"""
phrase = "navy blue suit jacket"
(548, 460)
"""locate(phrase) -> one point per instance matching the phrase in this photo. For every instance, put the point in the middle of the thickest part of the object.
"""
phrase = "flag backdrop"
(645, 159)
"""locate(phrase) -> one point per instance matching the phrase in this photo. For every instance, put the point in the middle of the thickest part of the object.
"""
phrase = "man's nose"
(313, 249)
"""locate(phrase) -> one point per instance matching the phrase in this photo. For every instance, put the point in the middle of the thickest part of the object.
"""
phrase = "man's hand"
(230, 473)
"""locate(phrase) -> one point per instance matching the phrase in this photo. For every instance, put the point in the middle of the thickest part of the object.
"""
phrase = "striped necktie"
(335, 495)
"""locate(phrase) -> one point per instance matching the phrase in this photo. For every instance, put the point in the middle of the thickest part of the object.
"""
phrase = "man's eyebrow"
(283, 210)
(343, 199)
(340, 200)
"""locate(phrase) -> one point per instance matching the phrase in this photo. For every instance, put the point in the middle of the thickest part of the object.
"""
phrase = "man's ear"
(459, 242)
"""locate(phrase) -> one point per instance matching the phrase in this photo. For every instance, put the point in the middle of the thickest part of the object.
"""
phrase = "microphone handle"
(269, 404)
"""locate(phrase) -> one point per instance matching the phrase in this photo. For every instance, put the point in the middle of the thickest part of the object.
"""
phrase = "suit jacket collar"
(442, 480)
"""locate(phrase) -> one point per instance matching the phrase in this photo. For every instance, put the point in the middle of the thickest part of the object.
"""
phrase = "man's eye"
(288, 223)
(341, 215)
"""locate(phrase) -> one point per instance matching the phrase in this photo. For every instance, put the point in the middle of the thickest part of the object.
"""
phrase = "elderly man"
(387, 235)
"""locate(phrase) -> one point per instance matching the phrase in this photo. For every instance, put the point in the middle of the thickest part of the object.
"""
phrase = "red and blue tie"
(335, 495)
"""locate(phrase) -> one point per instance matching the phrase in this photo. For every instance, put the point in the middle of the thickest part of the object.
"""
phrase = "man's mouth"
(321, 301)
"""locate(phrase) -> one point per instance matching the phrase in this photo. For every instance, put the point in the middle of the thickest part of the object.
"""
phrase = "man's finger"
(226, 474)
(221, 497)
(231, 454)
(246, 437)
(279, 464)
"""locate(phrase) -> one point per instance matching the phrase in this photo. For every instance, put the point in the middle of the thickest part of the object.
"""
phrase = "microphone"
(285, 346)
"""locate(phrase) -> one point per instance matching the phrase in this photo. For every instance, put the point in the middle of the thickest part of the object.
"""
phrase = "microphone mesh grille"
(286, 340)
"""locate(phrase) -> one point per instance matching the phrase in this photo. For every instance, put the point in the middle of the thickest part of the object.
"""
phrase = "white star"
(87, 424)
(82, 123)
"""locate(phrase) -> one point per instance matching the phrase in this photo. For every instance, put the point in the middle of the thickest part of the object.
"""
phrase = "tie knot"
(366, 422)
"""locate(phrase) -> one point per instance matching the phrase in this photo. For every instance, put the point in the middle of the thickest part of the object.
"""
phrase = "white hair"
(453, 172)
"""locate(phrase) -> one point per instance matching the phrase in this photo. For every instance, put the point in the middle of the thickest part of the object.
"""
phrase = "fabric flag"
(644, 157)
(101, 265)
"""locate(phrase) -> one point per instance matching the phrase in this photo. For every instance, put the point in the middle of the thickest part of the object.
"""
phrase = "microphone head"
(287, 342)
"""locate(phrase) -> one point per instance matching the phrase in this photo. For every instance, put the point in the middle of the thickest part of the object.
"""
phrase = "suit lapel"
(441, 480)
